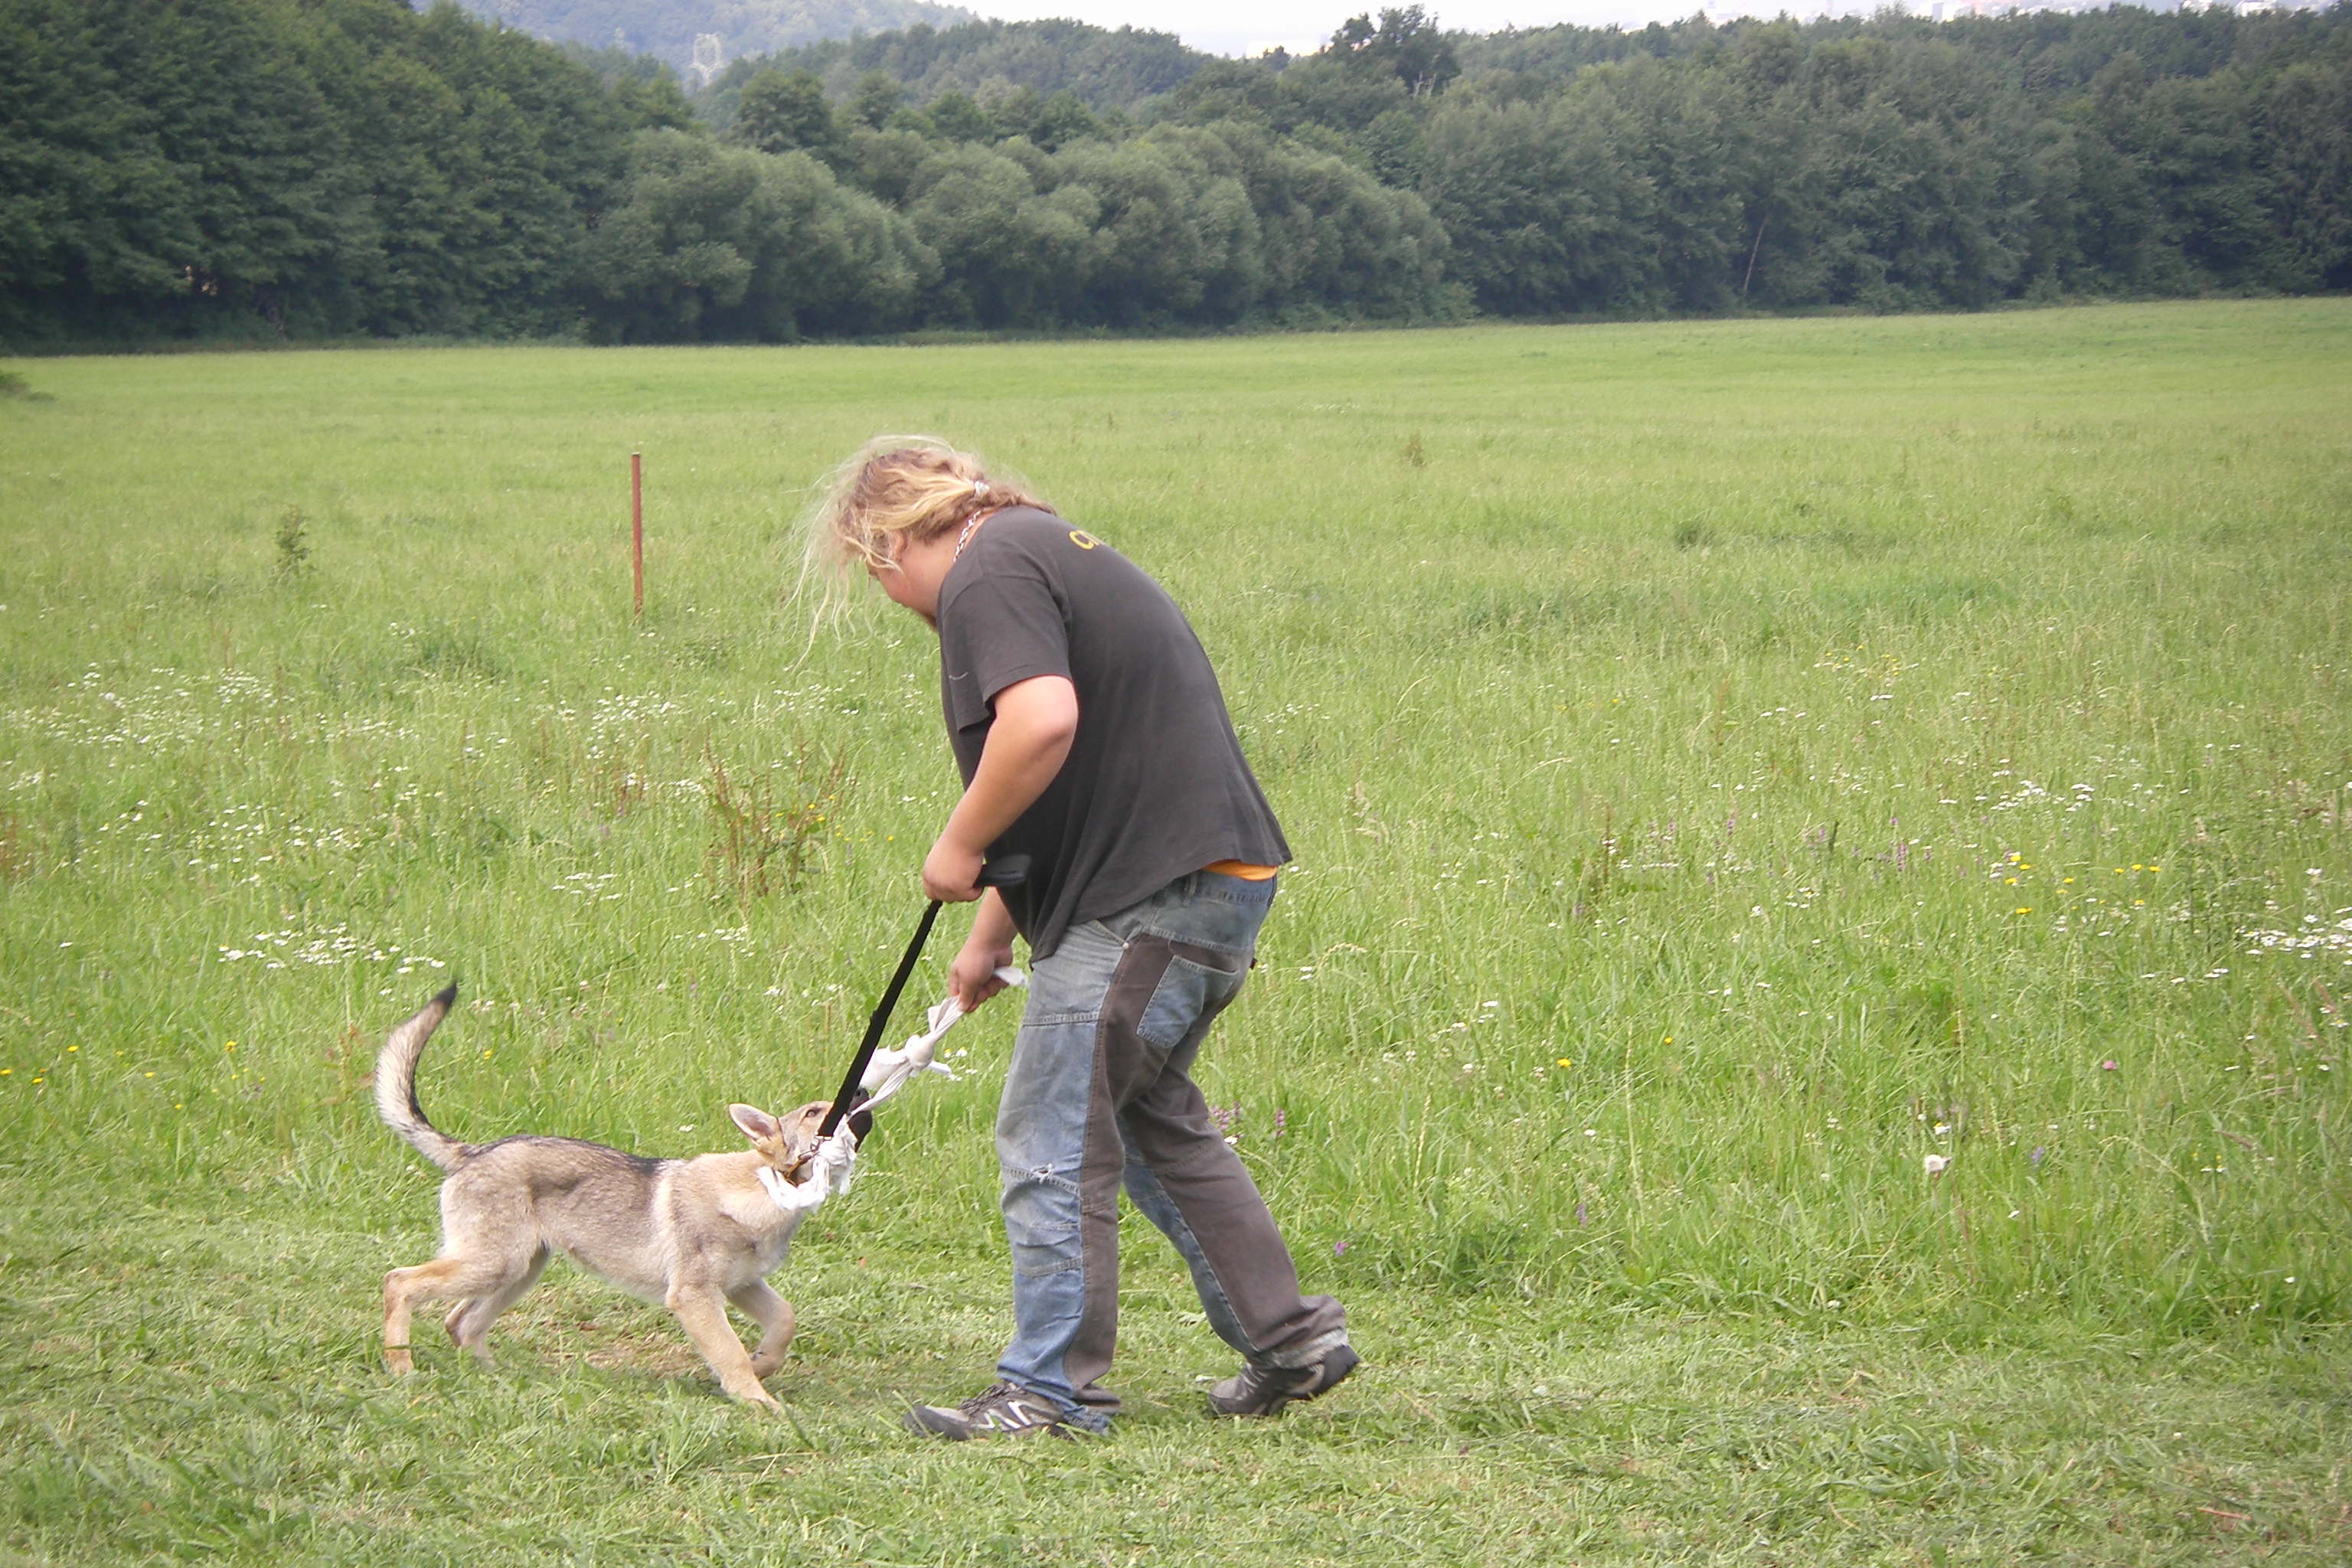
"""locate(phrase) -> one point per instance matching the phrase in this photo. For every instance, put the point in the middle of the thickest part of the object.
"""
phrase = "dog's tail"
(396, 1085)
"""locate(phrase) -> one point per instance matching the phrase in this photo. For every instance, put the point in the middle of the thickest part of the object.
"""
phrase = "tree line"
(1893, 164)
(319, 167)
(322, 168)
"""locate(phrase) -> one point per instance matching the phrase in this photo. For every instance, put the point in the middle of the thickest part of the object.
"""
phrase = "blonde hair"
(900, 488)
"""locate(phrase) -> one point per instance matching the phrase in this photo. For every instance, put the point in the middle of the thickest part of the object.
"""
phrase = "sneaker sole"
(1344, 1358)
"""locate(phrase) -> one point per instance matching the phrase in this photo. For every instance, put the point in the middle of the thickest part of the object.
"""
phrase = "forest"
(226, 170)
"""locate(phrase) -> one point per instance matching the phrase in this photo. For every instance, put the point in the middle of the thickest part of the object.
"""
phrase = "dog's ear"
(756, 1123)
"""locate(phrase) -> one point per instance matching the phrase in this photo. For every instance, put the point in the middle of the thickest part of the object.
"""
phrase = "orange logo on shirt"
(1083, 539)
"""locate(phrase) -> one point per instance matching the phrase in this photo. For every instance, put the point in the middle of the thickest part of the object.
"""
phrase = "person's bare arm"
(1028, 741)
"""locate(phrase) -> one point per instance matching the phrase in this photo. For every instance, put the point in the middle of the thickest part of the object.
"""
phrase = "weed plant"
(1808, 1023)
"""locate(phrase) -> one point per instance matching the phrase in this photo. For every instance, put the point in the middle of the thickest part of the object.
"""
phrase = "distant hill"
(667, 30)
(1121, 69)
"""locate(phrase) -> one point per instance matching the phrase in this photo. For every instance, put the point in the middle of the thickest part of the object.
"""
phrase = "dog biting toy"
(829, 1168)
(835, 1147)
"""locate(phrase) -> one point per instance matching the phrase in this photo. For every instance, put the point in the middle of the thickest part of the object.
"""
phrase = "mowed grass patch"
(1732, 767)
(216, 1392)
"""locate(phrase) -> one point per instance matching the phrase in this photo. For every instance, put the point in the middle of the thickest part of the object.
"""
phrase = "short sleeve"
(999, 630)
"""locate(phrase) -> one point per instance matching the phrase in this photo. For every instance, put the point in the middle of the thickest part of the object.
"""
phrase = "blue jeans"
(1099, 1096)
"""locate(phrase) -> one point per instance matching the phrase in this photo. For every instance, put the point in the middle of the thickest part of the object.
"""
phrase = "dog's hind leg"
(450, 1275)
(469, 1323)
(774, 1316)
(704, 1317)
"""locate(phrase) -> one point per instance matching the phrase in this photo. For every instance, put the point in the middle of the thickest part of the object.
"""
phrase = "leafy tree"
(1392, 148)
(1015, 114)
(956, 118)
(2197, 140)
(785, 112)
(885, 163)
(1326, 89)
(1546, 215)
(2113, 221)
(1406, 44)
(712, 242)
(1334, 243)
(644, 88)
(1062, 120)
(672, 249)
(876, 99)
(1010, 255)
(245, 142)
(827, 260)
(1227, 90)
(91, 211)
(2306, 120)
(1153, 256)
(537, 143)
(1686, 141)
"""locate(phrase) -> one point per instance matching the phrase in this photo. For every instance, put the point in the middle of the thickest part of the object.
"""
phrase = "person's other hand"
(972, 975)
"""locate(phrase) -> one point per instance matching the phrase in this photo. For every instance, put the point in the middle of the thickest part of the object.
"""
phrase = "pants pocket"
(1167, 989)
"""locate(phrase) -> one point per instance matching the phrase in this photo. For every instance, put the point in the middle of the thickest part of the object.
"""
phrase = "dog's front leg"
(774, 1316)
(704, 1317)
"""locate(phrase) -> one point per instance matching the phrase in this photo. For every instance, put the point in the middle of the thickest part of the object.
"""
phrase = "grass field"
(1732, 767)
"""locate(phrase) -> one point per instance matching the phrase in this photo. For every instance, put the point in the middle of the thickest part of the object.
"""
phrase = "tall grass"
(1729, 766)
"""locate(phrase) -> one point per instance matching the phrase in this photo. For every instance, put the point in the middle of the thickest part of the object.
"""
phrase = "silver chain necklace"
(976, 520)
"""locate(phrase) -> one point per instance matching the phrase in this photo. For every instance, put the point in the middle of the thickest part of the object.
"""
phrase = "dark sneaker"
(1266, 1390)
(1007, 1410)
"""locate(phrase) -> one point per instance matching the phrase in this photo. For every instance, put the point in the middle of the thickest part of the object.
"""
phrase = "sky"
(1248, 27)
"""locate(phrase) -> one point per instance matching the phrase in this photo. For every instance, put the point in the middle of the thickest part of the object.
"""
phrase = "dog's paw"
(398, 1362)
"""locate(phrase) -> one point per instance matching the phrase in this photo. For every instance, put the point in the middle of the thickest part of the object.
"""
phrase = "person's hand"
(951, 872)
(971, 977)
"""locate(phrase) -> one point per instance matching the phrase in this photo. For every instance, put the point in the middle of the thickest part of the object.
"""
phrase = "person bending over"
(1092, 738)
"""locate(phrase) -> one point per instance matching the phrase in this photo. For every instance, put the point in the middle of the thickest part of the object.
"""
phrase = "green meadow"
(1808, 1023)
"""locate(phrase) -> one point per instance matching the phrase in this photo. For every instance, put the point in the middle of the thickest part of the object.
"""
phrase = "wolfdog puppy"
(689, 1234)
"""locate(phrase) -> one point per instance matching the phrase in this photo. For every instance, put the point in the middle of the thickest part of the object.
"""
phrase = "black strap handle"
(1010, 871)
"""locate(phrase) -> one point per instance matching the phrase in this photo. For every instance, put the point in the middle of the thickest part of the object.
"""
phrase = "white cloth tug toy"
(832, 1168)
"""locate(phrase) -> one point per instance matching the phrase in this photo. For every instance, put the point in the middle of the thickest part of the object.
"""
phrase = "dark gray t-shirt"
(1155, 785)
